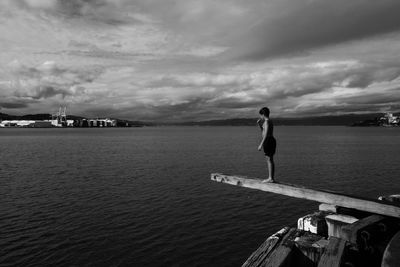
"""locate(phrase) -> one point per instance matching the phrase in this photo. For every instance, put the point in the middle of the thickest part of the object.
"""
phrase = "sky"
(192, 60)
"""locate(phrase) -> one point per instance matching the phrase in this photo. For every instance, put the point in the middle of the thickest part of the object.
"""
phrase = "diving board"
(322, 196)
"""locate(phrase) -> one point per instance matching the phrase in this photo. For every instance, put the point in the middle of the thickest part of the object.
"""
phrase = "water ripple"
(142, 197)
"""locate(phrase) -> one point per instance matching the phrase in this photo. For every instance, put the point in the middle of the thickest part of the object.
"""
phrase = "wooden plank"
(328, 207)
(333, 254)
(262, 252)
(322, 196)
(391, 256)
(281, 256)
(258, 256)
(351, 232)
(310, 247)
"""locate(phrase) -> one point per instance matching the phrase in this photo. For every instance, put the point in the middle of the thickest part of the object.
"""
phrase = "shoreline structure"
(60, 120)
(346, 231)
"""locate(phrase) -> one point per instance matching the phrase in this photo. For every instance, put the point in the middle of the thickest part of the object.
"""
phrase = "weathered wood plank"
(281, 255)
(333, 254)
(264, 250)
(310, 247)
(391, 256)
(351, 232)
(322, 196)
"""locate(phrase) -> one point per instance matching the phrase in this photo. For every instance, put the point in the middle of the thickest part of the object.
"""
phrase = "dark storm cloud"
(100, 10)
(378, 73)
(13, 105)
(13, 102)
(385, 98)
(104, 11)
(237, 103)
(306, 25)
(46, 91)
(349, 109)
(366, 101)
(48, 80)
(337, 83)
(302, 88)
(306, 82)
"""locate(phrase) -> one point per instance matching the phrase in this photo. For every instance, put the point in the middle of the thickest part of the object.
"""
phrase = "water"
(143, 197)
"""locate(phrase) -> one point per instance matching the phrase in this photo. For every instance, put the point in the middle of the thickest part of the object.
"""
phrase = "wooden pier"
(346, 231)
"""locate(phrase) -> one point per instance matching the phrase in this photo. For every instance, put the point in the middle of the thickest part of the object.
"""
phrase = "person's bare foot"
(269, 180)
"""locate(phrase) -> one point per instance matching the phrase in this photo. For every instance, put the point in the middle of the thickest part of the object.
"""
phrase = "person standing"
(268, 142)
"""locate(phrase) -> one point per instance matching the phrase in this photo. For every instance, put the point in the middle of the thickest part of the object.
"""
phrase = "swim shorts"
(269, 146)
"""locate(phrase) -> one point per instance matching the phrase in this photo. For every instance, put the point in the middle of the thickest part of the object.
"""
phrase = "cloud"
(46, 91)
(177, 60)
(289, 90)
(250, 31)
(300, 26)
(104, 11)
(42, 4)
(13, 105)
(48, 80)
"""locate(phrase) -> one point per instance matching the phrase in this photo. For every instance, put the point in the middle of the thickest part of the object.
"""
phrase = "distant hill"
(34, 117)
(317, 120)
(4, 116)
(128, 123)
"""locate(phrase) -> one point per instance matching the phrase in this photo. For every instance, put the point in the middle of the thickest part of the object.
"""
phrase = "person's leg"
(271, 169)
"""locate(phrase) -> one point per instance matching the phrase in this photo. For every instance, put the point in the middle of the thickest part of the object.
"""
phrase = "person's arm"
(260, 123)
(264, 134)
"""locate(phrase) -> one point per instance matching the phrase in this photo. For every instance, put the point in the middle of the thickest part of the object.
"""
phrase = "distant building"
(42, 124)
(390, 120)
(59, 119)
(26, 124)
(102, 123)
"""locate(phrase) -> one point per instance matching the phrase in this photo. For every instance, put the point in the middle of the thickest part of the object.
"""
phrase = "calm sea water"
(143, 196)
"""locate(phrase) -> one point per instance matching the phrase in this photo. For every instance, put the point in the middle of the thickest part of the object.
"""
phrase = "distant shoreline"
(355, 120)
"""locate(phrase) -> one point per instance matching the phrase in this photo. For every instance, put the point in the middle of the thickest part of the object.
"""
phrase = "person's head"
(264, 112)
